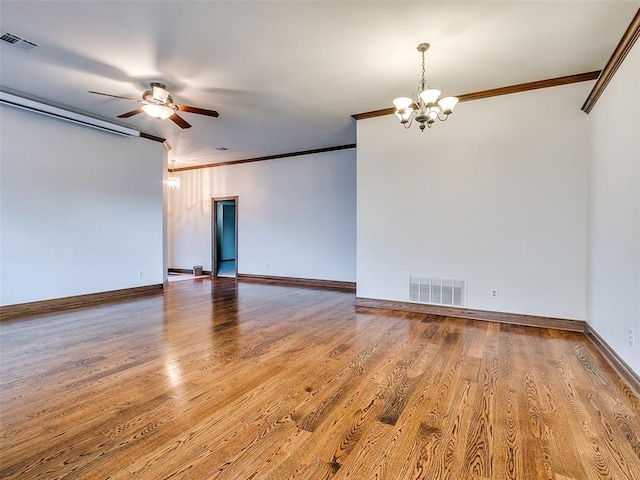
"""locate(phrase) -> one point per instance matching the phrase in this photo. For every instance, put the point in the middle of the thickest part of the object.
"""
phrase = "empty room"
(320, 240)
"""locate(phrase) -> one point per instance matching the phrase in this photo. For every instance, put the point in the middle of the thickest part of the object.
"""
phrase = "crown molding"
(268, 157)
(41, 108)
(494, 92)
(153, 138)
(619, 54)
(525, 87)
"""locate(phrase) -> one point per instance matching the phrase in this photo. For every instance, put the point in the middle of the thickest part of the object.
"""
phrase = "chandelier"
(173, 181)
(428, 106)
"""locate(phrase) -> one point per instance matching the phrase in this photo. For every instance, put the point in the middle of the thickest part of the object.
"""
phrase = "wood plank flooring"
(228, 380)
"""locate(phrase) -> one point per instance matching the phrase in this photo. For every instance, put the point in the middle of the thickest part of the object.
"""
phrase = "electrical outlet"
(139, 274)
(494, 293)
(632, 340)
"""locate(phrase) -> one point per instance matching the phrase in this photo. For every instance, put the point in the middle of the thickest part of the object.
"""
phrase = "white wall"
(496, 195)
(80, 209)
(295, 214)
(614, 212)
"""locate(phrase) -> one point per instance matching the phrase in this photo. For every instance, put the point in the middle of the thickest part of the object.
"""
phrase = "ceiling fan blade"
(178, 120)
(201, 111)
(116, 96)
(131, 113)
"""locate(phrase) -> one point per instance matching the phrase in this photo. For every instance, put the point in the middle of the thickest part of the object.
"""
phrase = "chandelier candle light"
(429, 107)
(173, 181)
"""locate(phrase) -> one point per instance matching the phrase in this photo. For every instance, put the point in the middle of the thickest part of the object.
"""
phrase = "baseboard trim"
(300, 282)
(11, 312)
(623, 370)
(181, 270)
(485, 315)
(188, 271)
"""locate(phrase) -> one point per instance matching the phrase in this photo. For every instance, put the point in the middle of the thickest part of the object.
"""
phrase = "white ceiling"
(286, 76)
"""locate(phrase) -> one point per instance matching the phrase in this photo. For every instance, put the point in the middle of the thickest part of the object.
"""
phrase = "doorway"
(224, 237)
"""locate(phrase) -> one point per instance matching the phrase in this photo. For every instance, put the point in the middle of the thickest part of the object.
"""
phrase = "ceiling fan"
(158, 103)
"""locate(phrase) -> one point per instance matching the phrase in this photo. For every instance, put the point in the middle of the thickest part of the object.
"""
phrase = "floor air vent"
(438, 291)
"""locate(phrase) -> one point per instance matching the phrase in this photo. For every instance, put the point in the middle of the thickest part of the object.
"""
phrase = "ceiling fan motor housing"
(158, 95)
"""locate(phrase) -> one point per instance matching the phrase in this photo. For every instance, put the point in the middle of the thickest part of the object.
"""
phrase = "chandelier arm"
(408, 124)
(420, 105)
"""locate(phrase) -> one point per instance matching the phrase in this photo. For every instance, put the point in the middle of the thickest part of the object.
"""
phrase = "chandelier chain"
(423, 71)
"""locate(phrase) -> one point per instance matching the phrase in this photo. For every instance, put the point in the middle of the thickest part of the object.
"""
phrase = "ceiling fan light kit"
(159, 112)
(428, 106)
(159, 102)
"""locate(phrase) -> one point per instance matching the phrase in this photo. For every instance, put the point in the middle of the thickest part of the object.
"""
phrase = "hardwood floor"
(231, 380)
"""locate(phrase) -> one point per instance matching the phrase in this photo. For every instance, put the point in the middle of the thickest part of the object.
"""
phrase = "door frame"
(214, 234)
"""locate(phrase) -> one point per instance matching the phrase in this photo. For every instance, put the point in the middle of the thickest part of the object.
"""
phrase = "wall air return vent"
(438, 291)
(21, 43)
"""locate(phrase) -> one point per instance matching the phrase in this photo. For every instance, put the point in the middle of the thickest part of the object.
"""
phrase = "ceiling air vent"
(21, 43)
(9, 38)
